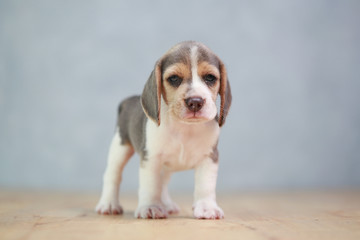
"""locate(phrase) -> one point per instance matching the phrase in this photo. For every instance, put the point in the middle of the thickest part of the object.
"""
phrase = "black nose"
(194, 104)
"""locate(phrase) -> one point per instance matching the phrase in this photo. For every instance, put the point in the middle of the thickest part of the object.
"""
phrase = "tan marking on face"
(169, 91)
(205, 68)
(174, 96)
(179, 69)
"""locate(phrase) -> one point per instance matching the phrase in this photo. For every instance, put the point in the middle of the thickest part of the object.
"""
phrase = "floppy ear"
(151, 96)
(225, 94)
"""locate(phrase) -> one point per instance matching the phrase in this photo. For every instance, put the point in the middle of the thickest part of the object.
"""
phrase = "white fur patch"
(205, 206)
(199, 88)
(194, 59)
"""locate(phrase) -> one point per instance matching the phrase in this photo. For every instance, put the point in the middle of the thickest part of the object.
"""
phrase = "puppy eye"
(174, 80)
(210, 79)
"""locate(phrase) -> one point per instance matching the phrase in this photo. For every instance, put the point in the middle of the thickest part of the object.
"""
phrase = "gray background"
(294, 67)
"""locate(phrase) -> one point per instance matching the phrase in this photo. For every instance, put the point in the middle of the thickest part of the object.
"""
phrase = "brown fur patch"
(179, 69)
(205, 68)
(175, 96)
(225, 95)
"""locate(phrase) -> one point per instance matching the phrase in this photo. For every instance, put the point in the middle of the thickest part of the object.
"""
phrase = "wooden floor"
(272, 216)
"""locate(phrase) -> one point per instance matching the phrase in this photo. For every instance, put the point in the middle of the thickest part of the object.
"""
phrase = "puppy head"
(188, 77)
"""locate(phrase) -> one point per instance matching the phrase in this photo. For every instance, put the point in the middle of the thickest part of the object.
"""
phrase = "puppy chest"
(182, 151)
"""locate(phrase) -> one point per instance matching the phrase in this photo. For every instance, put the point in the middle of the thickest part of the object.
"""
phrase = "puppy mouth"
(191, 116)
(187, 115)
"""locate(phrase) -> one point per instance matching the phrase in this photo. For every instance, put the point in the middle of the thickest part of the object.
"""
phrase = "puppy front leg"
(170, 206)
(205, 206)
(150, 205)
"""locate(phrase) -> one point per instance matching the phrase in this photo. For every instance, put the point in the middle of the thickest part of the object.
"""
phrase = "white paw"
(172, 208)
(151, 211)
(108, 207)
(206, 209)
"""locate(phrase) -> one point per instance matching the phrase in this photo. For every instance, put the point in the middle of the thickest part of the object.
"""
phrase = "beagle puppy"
(174, 125)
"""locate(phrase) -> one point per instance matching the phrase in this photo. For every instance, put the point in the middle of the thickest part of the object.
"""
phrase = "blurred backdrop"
(294, 67)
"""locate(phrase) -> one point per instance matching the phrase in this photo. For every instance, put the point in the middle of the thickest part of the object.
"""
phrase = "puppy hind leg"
(118, 156)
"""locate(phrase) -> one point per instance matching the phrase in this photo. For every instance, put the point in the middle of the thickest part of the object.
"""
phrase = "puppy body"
(174, 125)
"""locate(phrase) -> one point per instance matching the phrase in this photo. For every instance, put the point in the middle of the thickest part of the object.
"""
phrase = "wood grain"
(272, 216)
